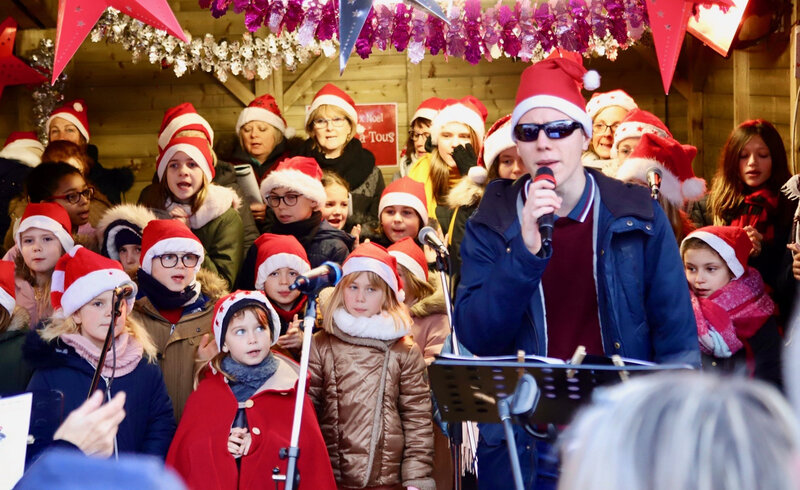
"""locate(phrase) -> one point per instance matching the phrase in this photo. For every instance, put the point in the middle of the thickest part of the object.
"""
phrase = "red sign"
(379, 135)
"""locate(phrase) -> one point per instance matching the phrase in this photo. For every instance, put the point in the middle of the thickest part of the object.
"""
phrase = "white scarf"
(380, 327)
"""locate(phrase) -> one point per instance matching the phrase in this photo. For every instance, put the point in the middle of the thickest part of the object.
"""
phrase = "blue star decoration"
(14, 71)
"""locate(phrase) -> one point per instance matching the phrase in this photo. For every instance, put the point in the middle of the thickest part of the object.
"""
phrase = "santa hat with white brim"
(228, 305)
(410, 256)
(332, 95)
(166, 236)
(405, 192)
(24, 147)
(197, 149)
(469, 111)
(300, 174)
(730, 242)
(48, 216)
(371, 257)
(276, 252)
(7, 288)
(73, 112)
(182, 117)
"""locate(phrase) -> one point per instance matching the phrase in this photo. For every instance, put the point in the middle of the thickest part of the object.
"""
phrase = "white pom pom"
(693, 189)
(289, 133)
(78, 106)
(591, 80)
(478, 174)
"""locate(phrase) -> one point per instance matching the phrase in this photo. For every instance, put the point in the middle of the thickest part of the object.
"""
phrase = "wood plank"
(413, 86)
(304, 82)
(741, 85)
(237, 88)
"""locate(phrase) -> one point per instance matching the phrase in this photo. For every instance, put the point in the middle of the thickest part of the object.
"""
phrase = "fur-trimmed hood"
(133, 213)
(212, 284)
(218, 200)
(433, 304)
(465, 193)
(20, 320)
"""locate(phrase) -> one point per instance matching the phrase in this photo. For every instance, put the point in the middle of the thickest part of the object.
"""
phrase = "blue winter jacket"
(149, 423)
(645, 310)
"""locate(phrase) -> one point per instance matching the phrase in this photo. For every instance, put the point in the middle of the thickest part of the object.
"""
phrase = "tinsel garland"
(46, 97)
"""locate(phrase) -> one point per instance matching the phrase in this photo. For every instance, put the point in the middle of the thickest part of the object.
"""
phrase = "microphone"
(328, 274)
(125, 290)
(545, 222)
(654, 181)
(429, 237)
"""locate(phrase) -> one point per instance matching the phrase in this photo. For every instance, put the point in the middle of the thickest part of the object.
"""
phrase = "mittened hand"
(428, 144)
(465, 158)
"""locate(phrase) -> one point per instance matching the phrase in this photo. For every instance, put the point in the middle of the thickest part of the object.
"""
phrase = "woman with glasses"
(175, 303)
(418, 134)
(607, 110)
(332, 124)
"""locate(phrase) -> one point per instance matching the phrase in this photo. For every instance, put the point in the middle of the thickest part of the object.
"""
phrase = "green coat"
(15, 371)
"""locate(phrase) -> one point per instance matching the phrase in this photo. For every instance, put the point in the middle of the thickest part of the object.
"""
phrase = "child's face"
(705, 271)
(276, 287)
(404, 273)
(184, 177)
(40, 249)
(176, 278)
(361, 298)
(755, 162)
(626, 147)
(399, 222)
(246, 340)
(94, 318)
(336, 205)
(509, 164)
(71, 186)
(302, 208)
(452, 134)
(129, 257)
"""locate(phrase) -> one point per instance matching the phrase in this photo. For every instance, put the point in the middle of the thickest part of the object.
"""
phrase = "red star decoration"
(14, 71)
(77, 17)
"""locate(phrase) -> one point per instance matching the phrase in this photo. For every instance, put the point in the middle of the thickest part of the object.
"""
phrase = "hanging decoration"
(46, 96)
(14, 71)
(77, 17)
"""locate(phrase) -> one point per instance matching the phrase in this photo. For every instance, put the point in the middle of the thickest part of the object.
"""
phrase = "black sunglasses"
(554, 130)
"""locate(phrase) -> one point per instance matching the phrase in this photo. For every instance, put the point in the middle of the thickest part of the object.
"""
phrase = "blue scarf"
(248, 379)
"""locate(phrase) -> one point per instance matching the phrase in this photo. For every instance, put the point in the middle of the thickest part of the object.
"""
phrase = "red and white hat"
(264, 108)
(678, 182)
(182, 117)
(276, 252)
(300, 174)
(330, 94)
(556, 83)
(405, 192)
(635, 124)
(601, 100)
(198, 149)
(410, 256)
(48, 216)
(73, 112)
(428, 109)
(23, 147)
(7, 289)
(498, 139)
(730, 242)
(81, 275)
(371, 257)
(164, 236)
(469, 111)
(228, 305)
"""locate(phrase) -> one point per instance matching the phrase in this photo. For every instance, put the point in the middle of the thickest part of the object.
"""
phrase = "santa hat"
(678, 182)
(276, 252)
(635, 124)
(182, 117)
(469, 111)
(498, 139)
(300, 174)
(428, 109)
(371, 257)
(48, 216)
(555, 83)
(73, 112)
(81, 275)
(730, 242)
(410, 256)
(23, 147)
(405, 192)
(163, 236)
(7, 292)
(330, 94)
(198, 150)
(236, 301)
(601, 100)
(264, 108)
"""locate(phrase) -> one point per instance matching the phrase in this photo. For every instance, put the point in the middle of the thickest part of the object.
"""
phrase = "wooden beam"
(304, 81)
(699, 62)
(794, 87)
(741, 86)
(413, 87)
(237, 88)
(272, 85)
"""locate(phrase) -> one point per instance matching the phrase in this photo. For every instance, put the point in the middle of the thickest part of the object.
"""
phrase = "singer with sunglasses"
(176, 302)
(611, 279)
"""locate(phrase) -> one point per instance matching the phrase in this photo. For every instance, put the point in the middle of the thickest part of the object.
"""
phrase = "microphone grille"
(424, 232)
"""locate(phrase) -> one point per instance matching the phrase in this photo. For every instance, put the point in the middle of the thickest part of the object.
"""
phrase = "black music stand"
(479, 390)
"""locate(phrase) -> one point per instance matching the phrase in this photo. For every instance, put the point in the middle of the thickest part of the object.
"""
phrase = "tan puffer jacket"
(431, 327)
(177, 349)
(374, 409)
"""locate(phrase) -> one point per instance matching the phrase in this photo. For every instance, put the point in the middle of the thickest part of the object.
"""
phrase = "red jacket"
(199, 451)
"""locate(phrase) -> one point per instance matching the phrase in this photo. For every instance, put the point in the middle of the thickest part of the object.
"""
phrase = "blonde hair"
(277, 135)
(325, 110)
(415, 287)
(330, 178)
(56, 327)
(440, 170)
(397, 310)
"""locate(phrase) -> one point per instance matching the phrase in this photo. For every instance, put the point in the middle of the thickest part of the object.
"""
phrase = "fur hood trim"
(133, 213)
(30, 157)
(20, 320)
(379, 327)
(433, 304)
(218, 200)
(465, 193)
(212, 284)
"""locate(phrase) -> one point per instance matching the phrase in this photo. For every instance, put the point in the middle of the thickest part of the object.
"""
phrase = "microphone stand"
(109, 341)
(443, 266)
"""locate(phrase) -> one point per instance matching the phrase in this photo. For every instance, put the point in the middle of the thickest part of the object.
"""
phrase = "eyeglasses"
(171, 260)
(337, 122)
(416, 136)
(555, 130)
(75, 197)
(274, 200)
(601, 128)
